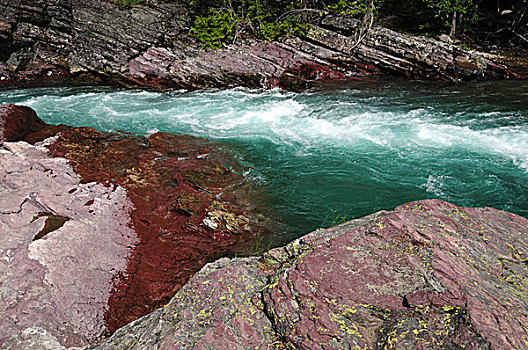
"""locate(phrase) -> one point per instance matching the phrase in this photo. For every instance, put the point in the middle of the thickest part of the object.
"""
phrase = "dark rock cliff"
(96, 41)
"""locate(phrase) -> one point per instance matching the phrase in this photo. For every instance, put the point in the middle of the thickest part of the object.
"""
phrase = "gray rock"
(34, 338)
(95, 40)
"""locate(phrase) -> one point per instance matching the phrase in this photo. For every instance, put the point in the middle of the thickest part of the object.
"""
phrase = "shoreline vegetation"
(461, 21)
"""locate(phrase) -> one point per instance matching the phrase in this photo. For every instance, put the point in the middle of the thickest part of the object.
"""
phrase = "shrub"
(351, 8)
(225, 25)
(128, 3)
(215, 30)
(451, 12)
(234, 18)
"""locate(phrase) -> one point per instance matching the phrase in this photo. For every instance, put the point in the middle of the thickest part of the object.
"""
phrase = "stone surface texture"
(148, 45)
(62, 280)
(181, 188)
(100, 229)
(22, 121)
(427, 275)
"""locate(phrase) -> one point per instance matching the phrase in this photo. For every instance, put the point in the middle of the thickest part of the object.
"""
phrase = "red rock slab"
(428, 275)
(184, 213)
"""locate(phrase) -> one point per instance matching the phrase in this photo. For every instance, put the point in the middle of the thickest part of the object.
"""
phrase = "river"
(335, 152)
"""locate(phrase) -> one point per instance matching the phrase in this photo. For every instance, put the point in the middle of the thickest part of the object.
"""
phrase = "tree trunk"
(452, 33)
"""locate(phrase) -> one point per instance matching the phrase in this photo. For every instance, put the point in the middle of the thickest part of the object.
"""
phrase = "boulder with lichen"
(427, 275)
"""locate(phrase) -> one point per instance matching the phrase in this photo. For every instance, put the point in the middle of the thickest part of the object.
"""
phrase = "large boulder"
(427, 275)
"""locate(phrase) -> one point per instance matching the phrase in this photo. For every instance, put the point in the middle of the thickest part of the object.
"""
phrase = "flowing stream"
(338, 152)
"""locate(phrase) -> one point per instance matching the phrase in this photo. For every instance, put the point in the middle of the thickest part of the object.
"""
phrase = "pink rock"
(69, 271)
(428, 275)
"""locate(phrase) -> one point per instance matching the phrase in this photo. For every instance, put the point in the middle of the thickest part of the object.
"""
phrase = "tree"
(454, 12)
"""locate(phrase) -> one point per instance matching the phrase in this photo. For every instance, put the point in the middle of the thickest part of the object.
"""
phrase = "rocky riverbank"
(106, 227)
(427, 275)
(95, 41)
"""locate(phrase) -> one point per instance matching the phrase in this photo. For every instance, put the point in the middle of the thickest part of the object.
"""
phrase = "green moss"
(128, 3)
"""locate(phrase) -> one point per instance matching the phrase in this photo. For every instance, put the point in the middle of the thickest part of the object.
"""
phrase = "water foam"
(374, 148)
(347, 121)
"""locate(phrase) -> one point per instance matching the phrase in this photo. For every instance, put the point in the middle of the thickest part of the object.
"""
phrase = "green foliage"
(353, 7)
(445, 9)
(258, 18)
(334, 218)
(473, 18)
(233, 19)
(256, 246)
(278, 30)
(128, 3)
(216, 29)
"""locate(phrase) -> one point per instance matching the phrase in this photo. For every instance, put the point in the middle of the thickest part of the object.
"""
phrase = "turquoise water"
(336, 152)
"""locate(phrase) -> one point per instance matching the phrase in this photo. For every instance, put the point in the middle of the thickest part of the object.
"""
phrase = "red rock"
(151, 212)
(17, 122)
(179, 188)
(427, 275)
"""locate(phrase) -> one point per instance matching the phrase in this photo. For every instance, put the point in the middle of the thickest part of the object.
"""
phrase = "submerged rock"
(97, 41)
(100, 229)
(428, 275)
